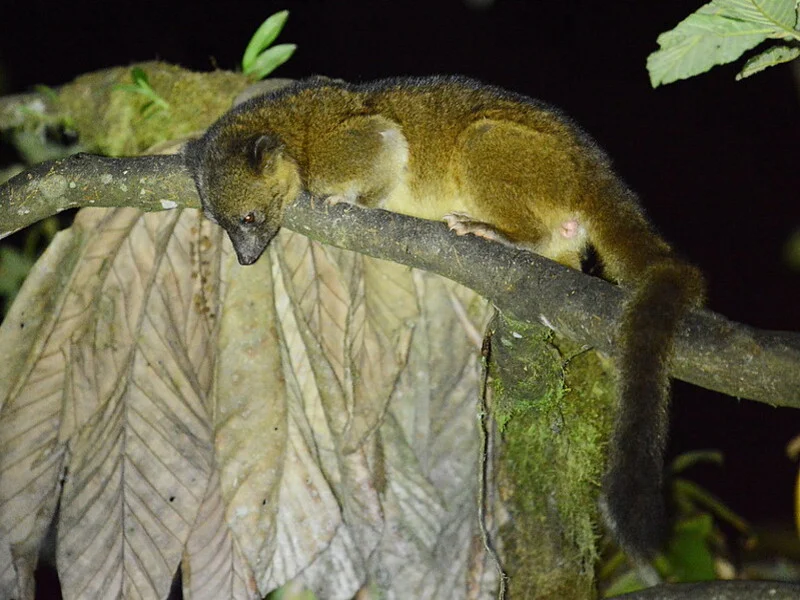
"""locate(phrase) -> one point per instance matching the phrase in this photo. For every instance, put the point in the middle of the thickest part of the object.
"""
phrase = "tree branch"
(710, 351)
(719, 590)
(151, 183)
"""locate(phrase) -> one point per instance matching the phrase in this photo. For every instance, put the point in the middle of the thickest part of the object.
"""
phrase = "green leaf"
(689, 459)
(769, 58)
(139, 77)
(718, 33)
(630, 581)
(142, 86)
(778, 14)
(14, 266)
(702, 40)
(697, 498)
(689, 556)
(270, 60)
(262, 38)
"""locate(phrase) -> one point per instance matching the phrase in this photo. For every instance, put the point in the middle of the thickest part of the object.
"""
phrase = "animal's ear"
(263, 150)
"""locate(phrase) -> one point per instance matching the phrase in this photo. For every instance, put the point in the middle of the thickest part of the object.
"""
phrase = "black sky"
(715, 161)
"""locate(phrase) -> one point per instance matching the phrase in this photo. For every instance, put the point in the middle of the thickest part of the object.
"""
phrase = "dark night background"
(715, 161)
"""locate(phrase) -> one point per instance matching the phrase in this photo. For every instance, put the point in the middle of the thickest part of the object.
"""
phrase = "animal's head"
(245, 181)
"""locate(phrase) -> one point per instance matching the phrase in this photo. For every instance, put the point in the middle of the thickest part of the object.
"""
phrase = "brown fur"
(490, 163)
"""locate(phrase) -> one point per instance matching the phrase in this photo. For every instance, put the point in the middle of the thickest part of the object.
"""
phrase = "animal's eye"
(249, 218)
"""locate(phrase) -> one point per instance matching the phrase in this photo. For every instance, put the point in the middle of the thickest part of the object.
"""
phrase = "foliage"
(14, 266)
(720, 32)
(15, 263)
(310, 417)
(696, 542)
(259, 59)
(141, 85)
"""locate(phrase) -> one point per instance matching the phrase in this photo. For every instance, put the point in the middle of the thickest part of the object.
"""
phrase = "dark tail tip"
(634, 508)
(633, 486)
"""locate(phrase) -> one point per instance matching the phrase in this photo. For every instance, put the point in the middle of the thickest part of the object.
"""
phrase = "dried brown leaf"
(213, 564)
(309, 418)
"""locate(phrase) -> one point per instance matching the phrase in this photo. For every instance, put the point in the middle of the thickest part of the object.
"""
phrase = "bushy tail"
(664, 289)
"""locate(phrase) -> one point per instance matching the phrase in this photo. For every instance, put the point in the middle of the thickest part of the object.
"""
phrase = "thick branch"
(150, 183)
(710, 351)
(719, 590)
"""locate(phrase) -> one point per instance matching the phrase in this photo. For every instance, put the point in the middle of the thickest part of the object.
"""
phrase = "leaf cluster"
(720, 32)
(259, 59)
(141, 85)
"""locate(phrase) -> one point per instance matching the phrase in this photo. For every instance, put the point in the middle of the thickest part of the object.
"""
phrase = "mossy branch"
(710, 351)
(16, 110)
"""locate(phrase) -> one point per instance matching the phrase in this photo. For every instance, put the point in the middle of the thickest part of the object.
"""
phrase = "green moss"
(114, 121)
(553, 402)
(527, 370)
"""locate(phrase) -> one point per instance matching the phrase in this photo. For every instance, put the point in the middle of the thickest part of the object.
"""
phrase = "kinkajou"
(488, 162)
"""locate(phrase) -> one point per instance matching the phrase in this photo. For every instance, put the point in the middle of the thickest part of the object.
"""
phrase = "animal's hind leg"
(506, 176)
(464, 224)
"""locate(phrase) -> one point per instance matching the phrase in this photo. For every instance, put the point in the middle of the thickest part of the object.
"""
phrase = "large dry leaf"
(309, 418)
